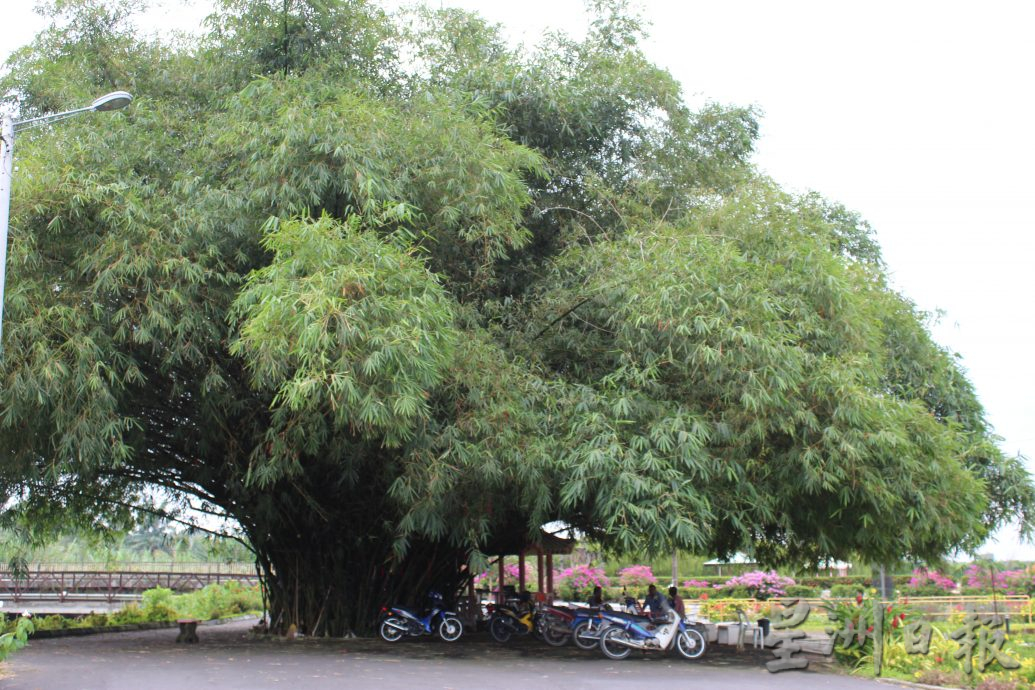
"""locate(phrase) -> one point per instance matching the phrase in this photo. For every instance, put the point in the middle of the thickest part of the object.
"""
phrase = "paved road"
(227, 658)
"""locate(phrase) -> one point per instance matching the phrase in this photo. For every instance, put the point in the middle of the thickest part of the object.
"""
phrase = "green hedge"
(864, 581)
(803, 591)
(160, 604)
(927, 591)
(847, 591)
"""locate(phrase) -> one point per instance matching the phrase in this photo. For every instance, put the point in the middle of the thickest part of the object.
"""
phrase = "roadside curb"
(132, 627)
(911, 684)
(77, 632)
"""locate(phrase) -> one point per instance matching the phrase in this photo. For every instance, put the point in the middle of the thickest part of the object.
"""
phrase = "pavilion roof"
(512, 545)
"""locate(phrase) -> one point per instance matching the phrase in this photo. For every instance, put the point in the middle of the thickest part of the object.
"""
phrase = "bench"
(188, 630)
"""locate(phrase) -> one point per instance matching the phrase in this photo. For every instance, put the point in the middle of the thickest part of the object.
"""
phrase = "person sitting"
(654, 602)
(676, 602)
(596, 600)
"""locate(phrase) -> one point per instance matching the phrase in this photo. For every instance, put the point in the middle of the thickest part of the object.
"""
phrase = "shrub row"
(160, 604)
(618, 593)
(810, 587)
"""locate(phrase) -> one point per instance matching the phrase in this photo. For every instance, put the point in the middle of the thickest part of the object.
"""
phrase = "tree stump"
(188, 630)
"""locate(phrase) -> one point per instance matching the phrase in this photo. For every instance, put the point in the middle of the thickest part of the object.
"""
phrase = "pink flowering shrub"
(697, 583)
(759, 584)
(636, 575)
(487, 579)
(582, 577)
(930, 580)
(512, 571)
(1003, 581)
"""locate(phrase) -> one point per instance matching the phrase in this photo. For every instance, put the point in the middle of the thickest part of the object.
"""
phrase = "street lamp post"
(8, 127)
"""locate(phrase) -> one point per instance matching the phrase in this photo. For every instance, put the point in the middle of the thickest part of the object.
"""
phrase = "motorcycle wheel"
(450, 629)
(390, 633)
(499, 630)
(610, 645)
(690, 644)
(553, 637)
(581, 641)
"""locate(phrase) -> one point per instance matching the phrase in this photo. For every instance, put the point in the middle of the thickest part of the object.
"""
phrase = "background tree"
(387, 291)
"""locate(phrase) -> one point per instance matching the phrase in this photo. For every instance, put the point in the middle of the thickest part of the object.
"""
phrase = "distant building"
(740, 563)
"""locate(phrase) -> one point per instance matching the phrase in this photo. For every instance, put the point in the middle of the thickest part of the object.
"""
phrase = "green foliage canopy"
(388, 292)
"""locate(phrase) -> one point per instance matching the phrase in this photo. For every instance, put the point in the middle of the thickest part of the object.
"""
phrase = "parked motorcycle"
(590, 622)
(626, 633)
(586, 627)
(398, 622)
(555, 625)
(519, 617)
(513, 617)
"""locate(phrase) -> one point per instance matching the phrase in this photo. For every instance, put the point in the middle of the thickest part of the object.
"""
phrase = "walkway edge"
(132, 627)
(911, 684)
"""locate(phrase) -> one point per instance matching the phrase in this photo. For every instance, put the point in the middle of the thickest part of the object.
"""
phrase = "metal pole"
(675, 551)
(6, 171)
(111, 101)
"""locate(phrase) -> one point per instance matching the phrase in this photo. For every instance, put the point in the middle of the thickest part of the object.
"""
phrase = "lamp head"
(112, 101)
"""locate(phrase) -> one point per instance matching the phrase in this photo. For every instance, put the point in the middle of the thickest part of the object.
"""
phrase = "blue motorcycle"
(397, 622)
(591, 622)
(626, 633)
(586, 627)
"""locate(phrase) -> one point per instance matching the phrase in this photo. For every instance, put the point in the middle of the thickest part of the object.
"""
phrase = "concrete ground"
(228, 658)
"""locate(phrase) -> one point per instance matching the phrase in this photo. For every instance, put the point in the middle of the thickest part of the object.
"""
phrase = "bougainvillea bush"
(636, 575)
(930, 582)
(511, 572)
(983, 578)
(577, 582)
(582, 577)
(759, 584)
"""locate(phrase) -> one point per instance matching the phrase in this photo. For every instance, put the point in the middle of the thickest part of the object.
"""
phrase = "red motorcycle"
(555, 625)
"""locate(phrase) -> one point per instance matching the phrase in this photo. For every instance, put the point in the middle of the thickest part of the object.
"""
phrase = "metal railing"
(138, 566)
(62, 584)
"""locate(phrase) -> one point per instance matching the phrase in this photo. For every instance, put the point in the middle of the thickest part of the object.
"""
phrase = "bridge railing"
(138, 566)
(64, 583)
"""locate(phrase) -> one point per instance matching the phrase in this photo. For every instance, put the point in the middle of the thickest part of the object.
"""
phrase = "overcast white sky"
(915, 114)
